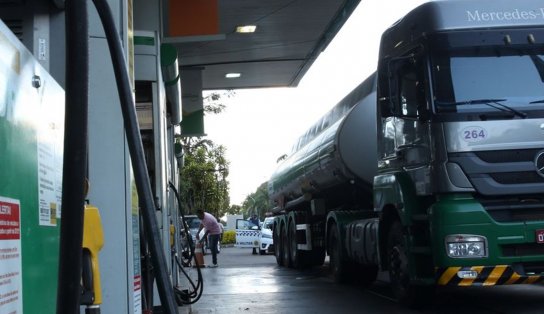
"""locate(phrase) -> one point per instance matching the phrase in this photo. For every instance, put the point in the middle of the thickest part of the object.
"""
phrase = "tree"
(233, 210)
(203, 179)
(257, 203)
(213, 101)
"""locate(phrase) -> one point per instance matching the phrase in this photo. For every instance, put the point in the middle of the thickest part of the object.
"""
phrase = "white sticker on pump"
(473, 134)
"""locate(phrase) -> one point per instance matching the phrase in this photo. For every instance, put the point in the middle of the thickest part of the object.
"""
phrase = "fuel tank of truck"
(340, 148)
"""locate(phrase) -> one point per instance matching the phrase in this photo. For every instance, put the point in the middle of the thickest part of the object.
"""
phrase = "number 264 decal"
(474, 134)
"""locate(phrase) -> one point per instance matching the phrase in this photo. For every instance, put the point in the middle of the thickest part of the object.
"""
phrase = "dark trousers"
(213, 238)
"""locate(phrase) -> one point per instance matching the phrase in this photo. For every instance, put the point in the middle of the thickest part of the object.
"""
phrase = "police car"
(249, 235)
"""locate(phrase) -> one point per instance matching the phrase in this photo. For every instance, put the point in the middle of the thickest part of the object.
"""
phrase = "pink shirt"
(210, 223)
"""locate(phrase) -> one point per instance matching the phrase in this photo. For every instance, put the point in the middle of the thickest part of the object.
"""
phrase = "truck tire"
(278, 248)
(293, 250)
(337, 265)
(286, 248)
(299, 258)
(406, 292)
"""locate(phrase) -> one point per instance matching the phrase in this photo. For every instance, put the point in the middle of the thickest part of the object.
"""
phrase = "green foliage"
(204, 178)
(257, 203)
(229, 237)
(213, 101)
(233, 210)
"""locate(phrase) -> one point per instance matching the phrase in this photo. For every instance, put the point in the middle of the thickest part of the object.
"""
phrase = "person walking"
(222, 230)
(255, 221)
(213, 232)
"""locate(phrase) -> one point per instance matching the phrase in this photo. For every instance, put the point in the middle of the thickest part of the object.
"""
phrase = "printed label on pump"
(50, 153)
(11, 284)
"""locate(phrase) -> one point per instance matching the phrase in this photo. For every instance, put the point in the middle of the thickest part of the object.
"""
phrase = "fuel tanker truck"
(432, 169)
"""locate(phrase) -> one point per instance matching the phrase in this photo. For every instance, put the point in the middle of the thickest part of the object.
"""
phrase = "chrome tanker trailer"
(331, 166)
(431, 169)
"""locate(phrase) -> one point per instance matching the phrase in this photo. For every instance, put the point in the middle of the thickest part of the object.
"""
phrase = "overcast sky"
(259, 125)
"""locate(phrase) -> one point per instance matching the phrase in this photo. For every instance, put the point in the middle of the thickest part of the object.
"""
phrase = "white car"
(266, 243)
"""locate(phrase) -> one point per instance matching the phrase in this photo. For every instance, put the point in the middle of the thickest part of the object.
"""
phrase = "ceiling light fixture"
(246, 29)
(233, 75)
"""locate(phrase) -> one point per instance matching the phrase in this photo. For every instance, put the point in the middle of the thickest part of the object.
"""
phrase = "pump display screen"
(489, 80)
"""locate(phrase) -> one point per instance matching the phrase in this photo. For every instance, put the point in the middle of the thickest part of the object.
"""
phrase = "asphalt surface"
(246, 283)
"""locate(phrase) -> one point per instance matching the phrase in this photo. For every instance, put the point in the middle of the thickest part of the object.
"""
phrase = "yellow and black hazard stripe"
(487, 276)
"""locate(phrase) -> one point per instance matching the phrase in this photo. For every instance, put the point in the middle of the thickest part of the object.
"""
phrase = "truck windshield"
(481, 81)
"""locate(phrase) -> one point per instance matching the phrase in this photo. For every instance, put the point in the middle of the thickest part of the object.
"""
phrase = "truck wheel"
(397, 251)
(286, 247)
(278, 248)
(296, 258)
(336, 264)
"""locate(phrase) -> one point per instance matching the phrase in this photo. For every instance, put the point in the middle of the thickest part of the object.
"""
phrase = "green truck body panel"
(462, 214)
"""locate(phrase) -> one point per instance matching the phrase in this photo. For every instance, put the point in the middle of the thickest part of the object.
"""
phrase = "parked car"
(266, 244)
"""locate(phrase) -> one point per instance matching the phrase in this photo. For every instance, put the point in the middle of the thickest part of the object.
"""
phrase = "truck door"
(247, 234)
(408, 130)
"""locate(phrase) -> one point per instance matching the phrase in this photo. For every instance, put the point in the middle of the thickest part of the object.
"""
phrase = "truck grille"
(493, 156)
(517, 177)
(499, 173)
(532, 267)
(514, 209)
(523, 249)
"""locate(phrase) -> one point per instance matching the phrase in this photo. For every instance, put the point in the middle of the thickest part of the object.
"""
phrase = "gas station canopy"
(288, 36)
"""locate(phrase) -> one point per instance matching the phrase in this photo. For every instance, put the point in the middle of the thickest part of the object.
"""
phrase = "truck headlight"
(466, 246)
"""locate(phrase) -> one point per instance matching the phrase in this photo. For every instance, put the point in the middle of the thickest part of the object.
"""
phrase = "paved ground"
(246, 283)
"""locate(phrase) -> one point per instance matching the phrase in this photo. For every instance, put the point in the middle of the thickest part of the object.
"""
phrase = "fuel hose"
(193, 296)
(75, 157)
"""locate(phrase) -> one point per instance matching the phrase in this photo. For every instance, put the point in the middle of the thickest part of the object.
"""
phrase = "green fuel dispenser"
(31, 147)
